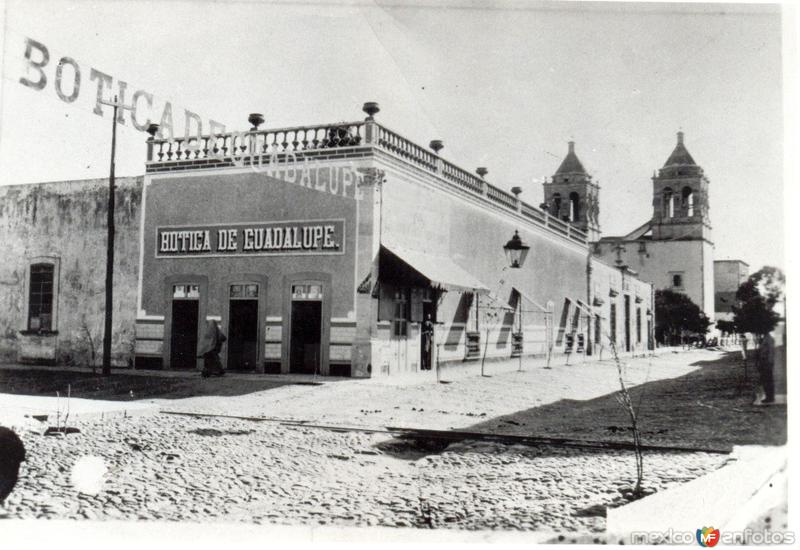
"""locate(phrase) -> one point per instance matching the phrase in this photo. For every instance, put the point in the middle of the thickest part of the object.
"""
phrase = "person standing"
(12, 454)
(209, 349)
(427, 342)
(766, 365)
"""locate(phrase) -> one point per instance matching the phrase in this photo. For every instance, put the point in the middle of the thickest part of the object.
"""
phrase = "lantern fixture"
(516, 251)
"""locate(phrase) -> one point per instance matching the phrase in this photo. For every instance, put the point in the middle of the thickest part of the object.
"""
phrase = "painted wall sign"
(252, 239)
(67, 85)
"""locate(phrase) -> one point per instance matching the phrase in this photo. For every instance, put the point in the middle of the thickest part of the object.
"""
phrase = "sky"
(504, 85)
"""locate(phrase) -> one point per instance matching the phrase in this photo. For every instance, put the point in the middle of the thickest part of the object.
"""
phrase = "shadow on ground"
(128, 387)
(709, 408)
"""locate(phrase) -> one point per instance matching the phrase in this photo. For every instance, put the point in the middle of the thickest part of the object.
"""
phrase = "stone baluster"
(436, 145)
(517, 190)
(152, 129)
(371, 129)
(482, 171)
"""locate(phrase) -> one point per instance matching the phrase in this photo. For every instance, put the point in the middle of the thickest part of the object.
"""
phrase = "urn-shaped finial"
(256, 119)
(371, 108)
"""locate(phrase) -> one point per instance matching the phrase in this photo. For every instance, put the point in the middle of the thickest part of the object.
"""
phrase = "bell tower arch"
(680, 198)
(572, 196)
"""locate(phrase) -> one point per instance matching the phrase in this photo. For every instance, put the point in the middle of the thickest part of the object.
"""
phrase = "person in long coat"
(209, 349)
(12, 454)
(765, 360)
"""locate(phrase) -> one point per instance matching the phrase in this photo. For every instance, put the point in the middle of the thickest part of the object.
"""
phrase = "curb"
(729, 499)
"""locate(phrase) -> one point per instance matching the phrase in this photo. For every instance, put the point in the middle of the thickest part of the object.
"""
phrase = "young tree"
(756, 300)
(676, 314)
(755, 313)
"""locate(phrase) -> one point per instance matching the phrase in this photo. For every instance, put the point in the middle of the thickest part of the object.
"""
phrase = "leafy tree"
(726, 327)
(677, 315)
(756, 300)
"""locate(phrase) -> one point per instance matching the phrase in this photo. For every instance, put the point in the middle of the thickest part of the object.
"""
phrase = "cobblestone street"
(186, 468)
(180, 468)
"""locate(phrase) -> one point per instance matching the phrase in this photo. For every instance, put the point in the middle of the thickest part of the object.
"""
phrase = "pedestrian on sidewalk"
(209, 349)
(765, 362)
(427, 342)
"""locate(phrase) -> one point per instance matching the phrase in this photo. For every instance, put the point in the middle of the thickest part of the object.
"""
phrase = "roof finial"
(680, 137)
(571, 146)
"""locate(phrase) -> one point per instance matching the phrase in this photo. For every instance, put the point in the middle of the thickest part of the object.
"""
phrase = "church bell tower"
(680, 198)
(572, 196)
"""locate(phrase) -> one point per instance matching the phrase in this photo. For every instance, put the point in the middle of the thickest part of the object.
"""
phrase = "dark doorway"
(183, 340)
(627, 323)
(243, 335)
(426, 335)
(305, 338)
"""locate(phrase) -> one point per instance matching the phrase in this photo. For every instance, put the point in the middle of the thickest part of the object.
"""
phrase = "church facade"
(673, 249)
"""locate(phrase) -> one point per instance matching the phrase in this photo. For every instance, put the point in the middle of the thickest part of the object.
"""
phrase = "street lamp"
(516, 251)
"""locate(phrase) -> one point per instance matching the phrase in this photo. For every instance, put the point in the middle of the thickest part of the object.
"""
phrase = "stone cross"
(620, 248)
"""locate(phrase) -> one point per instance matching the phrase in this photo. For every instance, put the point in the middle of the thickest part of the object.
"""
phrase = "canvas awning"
(441, 271)
(498, 303)
(586, 309)
(580, 305)
(531, 300)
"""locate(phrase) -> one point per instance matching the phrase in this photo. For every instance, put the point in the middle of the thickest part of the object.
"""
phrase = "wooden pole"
(110, 251)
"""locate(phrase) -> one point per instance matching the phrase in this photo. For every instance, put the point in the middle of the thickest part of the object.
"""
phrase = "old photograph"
(419, 271)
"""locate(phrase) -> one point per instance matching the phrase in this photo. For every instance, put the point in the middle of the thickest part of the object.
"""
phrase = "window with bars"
(40, 299)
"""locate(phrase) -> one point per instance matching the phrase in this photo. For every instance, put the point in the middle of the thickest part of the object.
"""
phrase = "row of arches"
(674, 204)
(678, 205)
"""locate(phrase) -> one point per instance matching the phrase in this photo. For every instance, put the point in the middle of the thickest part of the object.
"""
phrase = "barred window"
(40, 299)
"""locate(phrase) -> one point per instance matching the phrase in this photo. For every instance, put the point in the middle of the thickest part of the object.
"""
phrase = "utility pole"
(110, 242)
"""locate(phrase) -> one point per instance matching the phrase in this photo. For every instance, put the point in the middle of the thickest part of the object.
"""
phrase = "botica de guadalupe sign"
(252, 239)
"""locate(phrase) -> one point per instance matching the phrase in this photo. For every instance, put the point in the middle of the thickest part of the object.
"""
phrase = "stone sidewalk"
(26, 412)
(451, 404)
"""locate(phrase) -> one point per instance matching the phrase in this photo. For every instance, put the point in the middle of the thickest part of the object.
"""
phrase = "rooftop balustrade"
(256, 146)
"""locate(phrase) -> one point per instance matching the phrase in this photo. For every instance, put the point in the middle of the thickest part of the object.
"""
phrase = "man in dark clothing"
(766, 366)
(427, 342)
(12, 454)
(209, 349)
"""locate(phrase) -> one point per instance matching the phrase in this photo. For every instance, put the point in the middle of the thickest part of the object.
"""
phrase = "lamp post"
(516, 251)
